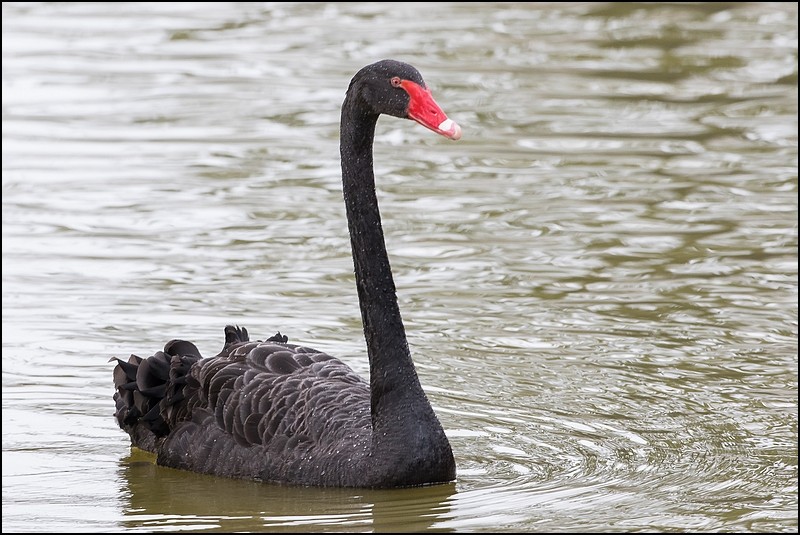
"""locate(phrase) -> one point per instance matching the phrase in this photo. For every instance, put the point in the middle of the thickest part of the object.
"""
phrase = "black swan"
(277, 412)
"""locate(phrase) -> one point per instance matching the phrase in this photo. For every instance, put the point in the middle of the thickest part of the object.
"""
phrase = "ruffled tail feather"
(147, 391)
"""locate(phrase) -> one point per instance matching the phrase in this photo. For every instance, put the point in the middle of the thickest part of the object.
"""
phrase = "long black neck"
(392, 373)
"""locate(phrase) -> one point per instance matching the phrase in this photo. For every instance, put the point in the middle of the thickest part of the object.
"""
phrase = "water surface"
(599, 281)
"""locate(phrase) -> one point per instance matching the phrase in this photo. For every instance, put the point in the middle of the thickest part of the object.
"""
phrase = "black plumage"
(280, 412)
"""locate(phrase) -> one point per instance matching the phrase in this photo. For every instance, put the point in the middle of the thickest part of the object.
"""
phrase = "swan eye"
(396, 81)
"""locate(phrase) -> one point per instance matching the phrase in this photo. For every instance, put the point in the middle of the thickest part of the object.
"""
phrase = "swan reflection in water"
(157, 498)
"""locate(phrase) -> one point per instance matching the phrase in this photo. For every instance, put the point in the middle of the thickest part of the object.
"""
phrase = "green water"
(599, 281)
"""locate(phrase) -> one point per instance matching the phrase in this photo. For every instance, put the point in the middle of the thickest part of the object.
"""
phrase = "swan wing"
(262, 393)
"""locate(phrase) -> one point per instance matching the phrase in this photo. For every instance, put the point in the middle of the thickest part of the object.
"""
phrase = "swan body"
(278, 412)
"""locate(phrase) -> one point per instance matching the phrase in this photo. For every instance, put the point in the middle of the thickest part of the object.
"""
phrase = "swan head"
(395, 88)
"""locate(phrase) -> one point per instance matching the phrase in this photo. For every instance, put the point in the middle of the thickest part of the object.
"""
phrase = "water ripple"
(599, 280)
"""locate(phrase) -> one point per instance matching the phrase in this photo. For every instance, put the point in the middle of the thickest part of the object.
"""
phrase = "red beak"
(423, 109)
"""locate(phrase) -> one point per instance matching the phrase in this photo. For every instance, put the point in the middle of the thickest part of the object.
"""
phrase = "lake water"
(599, 281)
